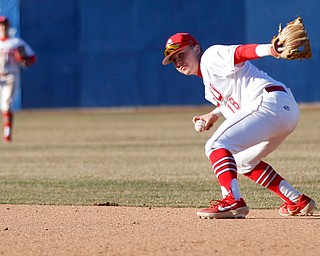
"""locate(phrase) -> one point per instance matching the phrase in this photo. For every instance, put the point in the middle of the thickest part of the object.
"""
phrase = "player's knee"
(5, 109)
(210, 147)
(246, 167)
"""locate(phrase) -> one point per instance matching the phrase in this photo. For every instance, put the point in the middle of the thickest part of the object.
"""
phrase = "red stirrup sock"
(266, 176)
(7, 125)
(225, 169)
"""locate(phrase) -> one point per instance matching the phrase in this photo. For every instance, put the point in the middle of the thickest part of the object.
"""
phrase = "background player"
(14, 53)
(259, 112)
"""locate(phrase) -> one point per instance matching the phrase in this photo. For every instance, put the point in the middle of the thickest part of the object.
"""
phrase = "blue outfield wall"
(107, 53)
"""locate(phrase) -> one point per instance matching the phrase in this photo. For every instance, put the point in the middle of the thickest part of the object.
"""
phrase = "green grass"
(136, 158)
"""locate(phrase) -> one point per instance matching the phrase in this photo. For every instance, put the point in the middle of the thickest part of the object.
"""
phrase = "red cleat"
(305, 206)
(226, 208)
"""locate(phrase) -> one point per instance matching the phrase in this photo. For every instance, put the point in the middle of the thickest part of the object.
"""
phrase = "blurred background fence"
(107, 53)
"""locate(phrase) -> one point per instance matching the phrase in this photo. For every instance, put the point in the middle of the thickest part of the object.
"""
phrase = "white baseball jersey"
(10, 70)
(228, 86)
(8, 63)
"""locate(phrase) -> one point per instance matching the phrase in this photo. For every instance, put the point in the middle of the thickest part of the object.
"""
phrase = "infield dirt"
(100, 230)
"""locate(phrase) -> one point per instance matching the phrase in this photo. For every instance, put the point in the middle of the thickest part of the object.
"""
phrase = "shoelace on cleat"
(215, 202)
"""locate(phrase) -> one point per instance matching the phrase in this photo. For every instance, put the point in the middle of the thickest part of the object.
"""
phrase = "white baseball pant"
(8, 85)
(256, 130)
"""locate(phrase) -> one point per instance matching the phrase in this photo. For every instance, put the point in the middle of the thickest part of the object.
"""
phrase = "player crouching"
(260, 113)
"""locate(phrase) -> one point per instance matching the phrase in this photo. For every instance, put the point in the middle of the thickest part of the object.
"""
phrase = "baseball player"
(259, 113)
(14, 53)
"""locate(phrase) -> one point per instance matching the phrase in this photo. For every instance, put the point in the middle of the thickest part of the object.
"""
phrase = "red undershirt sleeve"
(245, 52)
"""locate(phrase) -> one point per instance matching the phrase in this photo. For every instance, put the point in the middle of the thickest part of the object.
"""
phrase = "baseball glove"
(21, 56)
(292, 42)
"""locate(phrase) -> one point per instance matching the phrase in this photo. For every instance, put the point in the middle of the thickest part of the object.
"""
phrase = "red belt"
(275, 88)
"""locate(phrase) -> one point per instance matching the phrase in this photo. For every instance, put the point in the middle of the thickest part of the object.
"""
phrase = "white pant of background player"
(8, 86)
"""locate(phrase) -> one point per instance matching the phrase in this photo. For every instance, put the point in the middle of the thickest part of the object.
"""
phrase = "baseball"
(199, 126)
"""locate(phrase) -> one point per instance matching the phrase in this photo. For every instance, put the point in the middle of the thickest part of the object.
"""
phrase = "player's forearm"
(251, 52)
(216, 112)
(30, 60)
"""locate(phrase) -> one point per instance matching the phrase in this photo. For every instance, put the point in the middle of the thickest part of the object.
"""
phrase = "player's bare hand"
(209, 120)
(276, 49)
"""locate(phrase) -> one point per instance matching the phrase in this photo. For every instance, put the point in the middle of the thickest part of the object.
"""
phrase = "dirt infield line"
(97, 230)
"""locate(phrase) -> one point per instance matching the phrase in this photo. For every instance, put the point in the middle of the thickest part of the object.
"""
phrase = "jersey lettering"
(217, 95)
(233, 105)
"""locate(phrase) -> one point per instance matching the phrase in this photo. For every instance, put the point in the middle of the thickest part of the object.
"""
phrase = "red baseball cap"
(176, 43)
(4, 20)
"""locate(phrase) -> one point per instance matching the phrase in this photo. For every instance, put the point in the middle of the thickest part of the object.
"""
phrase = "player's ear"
(197, 49)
